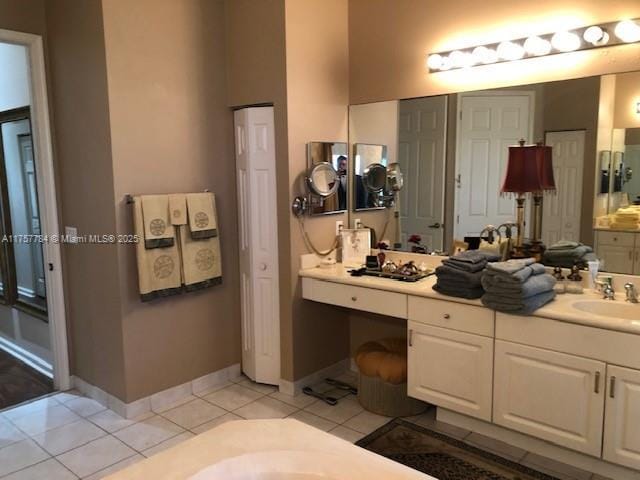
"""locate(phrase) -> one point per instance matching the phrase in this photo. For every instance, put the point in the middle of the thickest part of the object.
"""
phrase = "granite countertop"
(561, 308)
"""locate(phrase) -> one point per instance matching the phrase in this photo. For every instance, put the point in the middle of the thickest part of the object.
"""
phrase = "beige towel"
(201, 265)
(158, 231)
(158, 268)
(178, 208)
(201, 208)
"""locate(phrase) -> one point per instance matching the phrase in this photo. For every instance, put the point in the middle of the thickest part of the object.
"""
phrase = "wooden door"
(550, 395)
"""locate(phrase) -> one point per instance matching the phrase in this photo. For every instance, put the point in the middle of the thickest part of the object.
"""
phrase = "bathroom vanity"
(569, 375)
(619, 250)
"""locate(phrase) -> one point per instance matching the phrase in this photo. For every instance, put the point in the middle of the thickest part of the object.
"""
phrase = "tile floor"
(67, 436)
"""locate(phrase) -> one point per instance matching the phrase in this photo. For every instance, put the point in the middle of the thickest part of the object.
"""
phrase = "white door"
(487, 126)
(451, 369)
(561, 211)
(257, 215)
(550, 395)
(421, 154)
(621, 432)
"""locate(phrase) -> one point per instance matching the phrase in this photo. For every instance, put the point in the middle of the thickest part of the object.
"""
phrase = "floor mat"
(19, 382)
(443, 457)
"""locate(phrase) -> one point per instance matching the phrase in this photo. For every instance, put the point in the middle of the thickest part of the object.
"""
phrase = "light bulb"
(510, 51)
(434, 62)
(457, 59)
(446, 63)
(628, 31)
(565, 41)
(537, 46)
(484, 55)
(595, 36)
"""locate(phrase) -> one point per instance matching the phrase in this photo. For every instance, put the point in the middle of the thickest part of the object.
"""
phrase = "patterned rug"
(442, 457)
(19, 382)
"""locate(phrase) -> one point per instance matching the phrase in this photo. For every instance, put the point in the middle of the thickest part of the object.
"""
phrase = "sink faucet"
(632, 294)
(606, 287)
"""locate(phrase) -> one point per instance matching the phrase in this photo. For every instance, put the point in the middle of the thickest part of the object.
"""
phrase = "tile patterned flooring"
(67, 436)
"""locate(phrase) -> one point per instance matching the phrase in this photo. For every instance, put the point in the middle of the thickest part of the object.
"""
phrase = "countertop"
(559, 309)
(286, 449)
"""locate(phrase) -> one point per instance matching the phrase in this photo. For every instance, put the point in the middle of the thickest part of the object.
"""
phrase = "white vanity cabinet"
(621, 419)
(550, 395)
(620, 251)
(450, 356)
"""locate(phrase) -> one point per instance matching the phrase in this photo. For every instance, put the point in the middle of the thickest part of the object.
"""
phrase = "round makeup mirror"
(322, 179)
(395, 177)
(375, 177)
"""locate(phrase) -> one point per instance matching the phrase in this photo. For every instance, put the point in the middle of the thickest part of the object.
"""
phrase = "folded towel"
(616, 225)
(178, 208)
(460, 293)
(453, 283)
(201, 262)
(471, 260)
(447, 272)
(511, 266)
(201, 208)
(566, 256)
(564, 245)
(534, 285)
(515, 271)
(464, 266)
(158, 231)
(519, 306)
(158, 268)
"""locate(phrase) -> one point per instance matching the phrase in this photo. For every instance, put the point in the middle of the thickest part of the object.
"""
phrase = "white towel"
(201, 208)
(201, 262)
(159, 269)
(158, 231)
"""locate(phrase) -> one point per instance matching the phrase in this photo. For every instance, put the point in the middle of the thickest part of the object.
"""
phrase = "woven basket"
(387, 399)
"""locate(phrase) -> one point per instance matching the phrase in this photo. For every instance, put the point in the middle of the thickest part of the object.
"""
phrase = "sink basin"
(608, 308)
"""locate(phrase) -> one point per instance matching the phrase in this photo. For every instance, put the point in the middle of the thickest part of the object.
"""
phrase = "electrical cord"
(311, 246)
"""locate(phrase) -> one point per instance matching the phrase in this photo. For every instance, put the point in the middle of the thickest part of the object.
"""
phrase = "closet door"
(257, 216)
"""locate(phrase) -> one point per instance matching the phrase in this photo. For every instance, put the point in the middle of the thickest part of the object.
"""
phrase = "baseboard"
(537, 446)
(295, 388)
(27, 357)
(159, 400)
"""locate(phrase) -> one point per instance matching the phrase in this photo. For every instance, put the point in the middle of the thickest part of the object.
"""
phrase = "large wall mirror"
(454, 149)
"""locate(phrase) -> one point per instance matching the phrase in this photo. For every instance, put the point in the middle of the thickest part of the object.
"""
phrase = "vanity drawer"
(453, 315)
(359, 298)
(620, 239)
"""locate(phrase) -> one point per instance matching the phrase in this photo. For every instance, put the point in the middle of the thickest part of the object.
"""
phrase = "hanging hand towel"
(158, 268)
(201, 261)
(201, 208)
(158, 231)
(178, 208)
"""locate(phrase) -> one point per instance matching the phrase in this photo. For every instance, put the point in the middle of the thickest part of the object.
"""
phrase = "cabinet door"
(451, 369)
(616, 259)
(622, 417)
(550, 395)
(636, 259)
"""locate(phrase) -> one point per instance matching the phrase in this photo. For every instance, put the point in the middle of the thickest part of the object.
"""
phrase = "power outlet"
(339, 227)
(357, 223)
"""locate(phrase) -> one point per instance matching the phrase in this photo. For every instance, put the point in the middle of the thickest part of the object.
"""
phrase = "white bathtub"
(267, 450)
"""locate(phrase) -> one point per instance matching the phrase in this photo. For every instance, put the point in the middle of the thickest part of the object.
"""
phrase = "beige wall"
(627, 96)
(83, 158)
(317, 65)
(391, 66)
(171, 131)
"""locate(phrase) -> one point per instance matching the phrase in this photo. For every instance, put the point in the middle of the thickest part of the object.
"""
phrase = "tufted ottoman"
(382, 385)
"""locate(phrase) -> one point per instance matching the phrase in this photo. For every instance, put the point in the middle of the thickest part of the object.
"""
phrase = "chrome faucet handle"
(632, 294)
(608, 293)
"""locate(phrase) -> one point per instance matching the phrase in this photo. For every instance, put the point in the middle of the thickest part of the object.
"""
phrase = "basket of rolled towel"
(518, 287)
(460, 275)
(566, 254)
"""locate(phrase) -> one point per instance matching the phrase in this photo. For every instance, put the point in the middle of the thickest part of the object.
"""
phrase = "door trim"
(485, 93)
(47, 202)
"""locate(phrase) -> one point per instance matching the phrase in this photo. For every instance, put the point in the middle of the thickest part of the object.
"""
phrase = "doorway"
(33, 342)
(487, 125)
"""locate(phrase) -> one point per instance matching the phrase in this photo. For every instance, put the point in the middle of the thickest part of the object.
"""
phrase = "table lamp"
(529, 171)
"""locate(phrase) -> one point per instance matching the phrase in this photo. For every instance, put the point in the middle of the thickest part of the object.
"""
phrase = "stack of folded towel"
(566, 254)
(626, 218)
(518, 287)
(460, 275)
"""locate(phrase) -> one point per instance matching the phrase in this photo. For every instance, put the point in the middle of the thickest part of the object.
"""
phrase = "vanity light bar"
(585, 38)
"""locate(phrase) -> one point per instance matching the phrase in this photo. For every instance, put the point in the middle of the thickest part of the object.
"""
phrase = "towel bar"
(128, 198)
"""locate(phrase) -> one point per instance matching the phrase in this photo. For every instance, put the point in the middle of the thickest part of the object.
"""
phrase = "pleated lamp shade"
(529, 169)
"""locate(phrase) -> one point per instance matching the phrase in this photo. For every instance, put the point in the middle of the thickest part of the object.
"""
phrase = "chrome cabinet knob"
(354, 299)
(447, 316)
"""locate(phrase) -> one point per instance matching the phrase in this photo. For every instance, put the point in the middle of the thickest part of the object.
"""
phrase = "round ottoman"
(382, 384)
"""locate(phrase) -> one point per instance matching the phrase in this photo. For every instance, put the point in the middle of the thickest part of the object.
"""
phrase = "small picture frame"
(356, 245)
